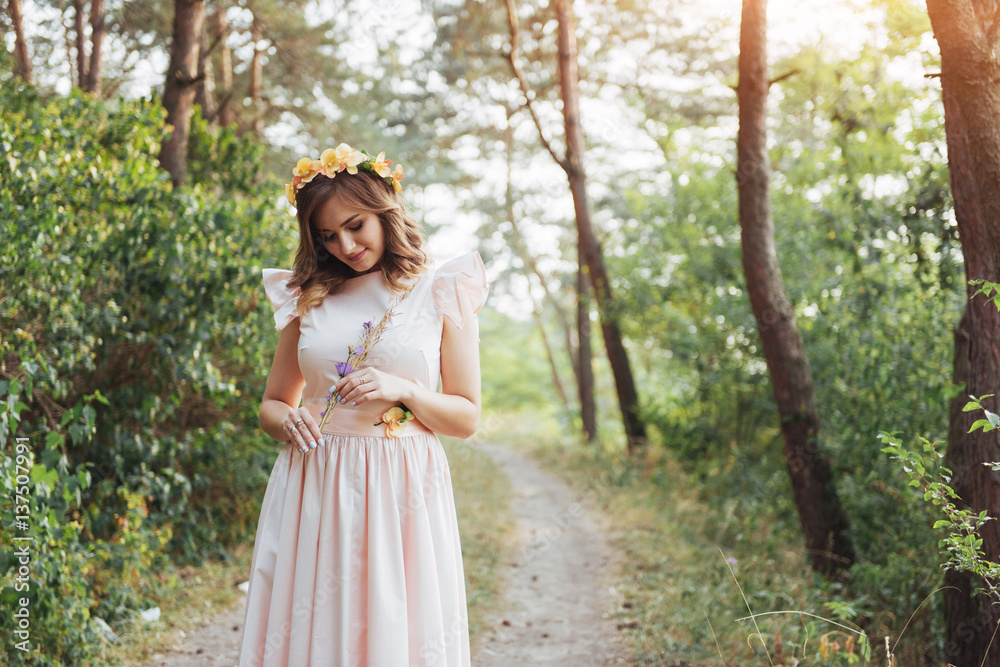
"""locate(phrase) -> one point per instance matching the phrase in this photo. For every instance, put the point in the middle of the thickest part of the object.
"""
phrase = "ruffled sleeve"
(460, 288)
(281, 297)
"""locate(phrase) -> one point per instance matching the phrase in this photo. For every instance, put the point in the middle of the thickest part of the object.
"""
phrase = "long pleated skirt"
(357, 560)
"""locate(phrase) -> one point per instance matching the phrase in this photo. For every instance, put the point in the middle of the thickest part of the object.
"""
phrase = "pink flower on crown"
(349, 158)
(381, 166)
(397, 176)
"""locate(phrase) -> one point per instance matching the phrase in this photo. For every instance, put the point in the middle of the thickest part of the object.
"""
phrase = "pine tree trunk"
(22, 61)
(226, 115)
(969, 77)
(823, 521)
(584, 351)
(203, 87)
(635, 430)
(81, 45)
(178, 93)
(97, 32)
(256, 74)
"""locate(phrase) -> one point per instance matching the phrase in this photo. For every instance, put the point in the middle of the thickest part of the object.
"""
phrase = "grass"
(679, 599)
(190, 596)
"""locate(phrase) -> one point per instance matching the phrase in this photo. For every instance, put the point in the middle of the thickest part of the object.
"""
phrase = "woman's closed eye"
(333, 237)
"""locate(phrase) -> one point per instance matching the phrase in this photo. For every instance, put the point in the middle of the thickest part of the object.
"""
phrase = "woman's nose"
(346, 244)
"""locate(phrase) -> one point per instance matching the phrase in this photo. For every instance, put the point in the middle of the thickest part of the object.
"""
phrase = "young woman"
(357, 560)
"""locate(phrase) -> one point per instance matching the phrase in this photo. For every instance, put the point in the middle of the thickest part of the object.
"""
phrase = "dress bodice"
(410, 347)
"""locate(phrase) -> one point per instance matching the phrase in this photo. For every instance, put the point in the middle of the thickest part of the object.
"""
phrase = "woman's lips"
(354, 258)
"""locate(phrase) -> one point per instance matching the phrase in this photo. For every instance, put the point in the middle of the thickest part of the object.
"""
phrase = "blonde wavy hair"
(402, 257)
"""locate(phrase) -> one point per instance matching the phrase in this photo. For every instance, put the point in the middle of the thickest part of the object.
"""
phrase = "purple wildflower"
(343, 368)
(323, 414)
(731, 560)
(359, 350)
(367, 325)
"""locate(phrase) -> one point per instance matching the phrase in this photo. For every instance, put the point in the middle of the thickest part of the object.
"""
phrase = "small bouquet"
(356, 357)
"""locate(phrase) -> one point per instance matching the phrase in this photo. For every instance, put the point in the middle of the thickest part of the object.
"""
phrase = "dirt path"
(557, 586)
(217, 644)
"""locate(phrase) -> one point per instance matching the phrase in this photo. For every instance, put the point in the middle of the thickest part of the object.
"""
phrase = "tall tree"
(179, 89)
(967, 33)
(572, 165)
(97, 32)
(22, 62)
(81, 43)
(256, 77)
(225, 115)
(823, 521)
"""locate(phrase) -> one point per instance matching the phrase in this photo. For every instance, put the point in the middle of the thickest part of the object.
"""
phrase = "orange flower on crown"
(397, 176)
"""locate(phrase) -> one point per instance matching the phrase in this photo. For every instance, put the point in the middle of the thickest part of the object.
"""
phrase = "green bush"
(134, 339)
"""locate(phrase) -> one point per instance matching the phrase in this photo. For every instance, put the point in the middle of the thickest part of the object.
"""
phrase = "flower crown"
(335, 160)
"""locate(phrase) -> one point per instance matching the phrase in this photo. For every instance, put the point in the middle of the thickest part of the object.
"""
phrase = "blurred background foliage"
(135, 337)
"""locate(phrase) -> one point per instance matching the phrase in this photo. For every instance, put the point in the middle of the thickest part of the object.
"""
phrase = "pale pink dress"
(357, 559)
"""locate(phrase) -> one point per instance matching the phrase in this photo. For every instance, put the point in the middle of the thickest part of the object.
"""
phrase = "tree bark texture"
(256, 74)
(225, 114)
(81, 45)
(584, 351)
(97, 32)
(569, 82)
(969, 77)
(823, 521)
(178, 92)
(22, 61)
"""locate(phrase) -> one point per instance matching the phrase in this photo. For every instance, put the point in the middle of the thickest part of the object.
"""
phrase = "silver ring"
(364, 379)
(301, 421)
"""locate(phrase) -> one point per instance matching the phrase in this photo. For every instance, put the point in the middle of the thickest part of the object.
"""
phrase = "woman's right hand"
(302, 430)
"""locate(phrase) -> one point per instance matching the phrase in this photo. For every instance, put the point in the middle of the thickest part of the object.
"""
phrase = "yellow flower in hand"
(393, 414)
(395, 421)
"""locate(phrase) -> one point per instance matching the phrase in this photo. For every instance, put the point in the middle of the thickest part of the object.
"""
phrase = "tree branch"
(512, 58)
(784, 76)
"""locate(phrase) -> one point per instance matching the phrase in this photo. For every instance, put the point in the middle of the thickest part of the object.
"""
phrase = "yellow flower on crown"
(349, 158)
(332, 161)
(329, 164)
(381, 166)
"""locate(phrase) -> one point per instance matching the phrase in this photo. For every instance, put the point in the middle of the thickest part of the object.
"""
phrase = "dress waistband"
(346, 420)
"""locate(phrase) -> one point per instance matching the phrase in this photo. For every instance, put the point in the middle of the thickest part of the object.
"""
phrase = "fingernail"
(354, 402)
(303, 449)
(343, 400)
(336, 397)
(312, 444)
(322, 441)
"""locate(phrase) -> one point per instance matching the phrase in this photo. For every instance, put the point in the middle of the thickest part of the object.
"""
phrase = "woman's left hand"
(366, 384)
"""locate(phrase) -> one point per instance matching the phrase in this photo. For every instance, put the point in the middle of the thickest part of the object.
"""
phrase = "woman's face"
(353, 236)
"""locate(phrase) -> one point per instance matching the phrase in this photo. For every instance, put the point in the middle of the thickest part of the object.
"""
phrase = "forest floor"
(553, 598)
